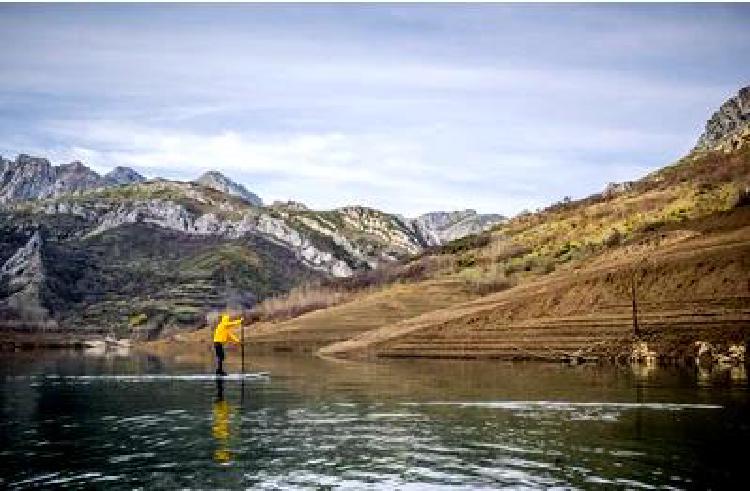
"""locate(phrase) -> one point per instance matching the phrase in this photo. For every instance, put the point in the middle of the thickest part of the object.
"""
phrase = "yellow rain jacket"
(223, 331)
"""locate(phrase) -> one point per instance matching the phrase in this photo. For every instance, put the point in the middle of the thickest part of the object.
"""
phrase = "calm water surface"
(405, 425)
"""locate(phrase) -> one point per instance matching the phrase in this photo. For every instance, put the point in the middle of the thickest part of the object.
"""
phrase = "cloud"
(318, 166)
(404, 108)
(408, 174)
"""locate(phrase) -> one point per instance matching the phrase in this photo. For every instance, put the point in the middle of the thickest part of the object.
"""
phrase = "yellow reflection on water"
(220, 428)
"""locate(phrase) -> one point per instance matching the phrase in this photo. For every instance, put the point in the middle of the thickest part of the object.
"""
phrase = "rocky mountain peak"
(75, 166)
(29, 177)
(26, 177)
(120, 176)
(439, 227)
(74, 177)
(729, 125)
(218, 181)
(26, 160)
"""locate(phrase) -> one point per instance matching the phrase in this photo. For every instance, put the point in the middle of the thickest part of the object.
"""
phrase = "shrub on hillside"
(137, 320)
(298, 301)
(466, 261)
(333, 291)
(652, 226)
(509, 251)
(567, 251)
(612, 239)
(464, 244)
(743, 198)
(485, 286)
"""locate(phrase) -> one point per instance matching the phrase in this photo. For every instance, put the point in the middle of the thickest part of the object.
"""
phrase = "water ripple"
(565, 406)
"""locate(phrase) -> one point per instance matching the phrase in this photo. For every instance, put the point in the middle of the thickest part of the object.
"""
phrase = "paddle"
(242, 348)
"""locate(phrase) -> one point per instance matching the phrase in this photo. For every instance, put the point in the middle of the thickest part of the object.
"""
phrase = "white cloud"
(315, 167)
(408, 173)
(403, 108)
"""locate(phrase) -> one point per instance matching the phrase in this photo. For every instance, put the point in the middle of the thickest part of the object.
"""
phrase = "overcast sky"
(404, 108)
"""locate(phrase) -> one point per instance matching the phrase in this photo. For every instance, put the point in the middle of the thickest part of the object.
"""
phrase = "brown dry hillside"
(679, 234)
(693, 283)
(368, 311)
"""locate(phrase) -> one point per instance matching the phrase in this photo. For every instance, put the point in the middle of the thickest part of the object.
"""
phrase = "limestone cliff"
(22, 278)
(729, 124)
(440, 227)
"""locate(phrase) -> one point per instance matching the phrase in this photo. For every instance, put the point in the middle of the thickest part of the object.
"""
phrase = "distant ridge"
(218, 181)
(120, 176)
(29, 177)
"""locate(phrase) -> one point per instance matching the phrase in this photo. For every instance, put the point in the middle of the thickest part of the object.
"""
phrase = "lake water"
(406, 425)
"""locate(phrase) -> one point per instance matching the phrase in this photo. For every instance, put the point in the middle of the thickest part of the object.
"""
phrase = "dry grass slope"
(367, 312)
(681, 232)
(690, 286)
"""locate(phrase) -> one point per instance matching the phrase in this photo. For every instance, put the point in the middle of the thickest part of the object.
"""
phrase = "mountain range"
(29, 177)
(87, 250)
(34, 178)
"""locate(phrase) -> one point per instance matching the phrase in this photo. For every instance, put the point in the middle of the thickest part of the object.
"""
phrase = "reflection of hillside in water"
(510, 415)
(451, 380)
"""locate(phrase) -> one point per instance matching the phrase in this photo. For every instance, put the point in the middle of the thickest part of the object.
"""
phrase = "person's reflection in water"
(220, 427)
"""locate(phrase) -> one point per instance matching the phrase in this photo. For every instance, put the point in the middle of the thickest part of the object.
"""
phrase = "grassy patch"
(464, 244)
(137, 319)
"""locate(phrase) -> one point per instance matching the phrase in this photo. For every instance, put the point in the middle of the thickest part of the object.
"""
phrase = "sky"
(405, 108)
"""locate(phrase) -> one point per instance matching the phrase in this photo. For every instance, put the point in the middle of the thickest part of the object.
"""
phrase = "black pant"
(219, 348)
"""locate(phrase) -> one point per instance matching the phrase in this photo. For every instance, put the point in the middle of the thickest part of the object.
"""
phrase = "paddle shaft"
(242, 348)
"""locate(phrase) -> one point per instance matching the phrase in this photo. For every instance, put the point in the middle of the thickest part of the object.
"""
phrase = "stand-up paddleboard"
(161, 377)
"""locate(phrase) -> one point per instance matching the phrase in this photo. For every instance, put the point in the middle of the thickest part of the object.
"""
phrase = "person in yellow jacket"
(222, 334)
